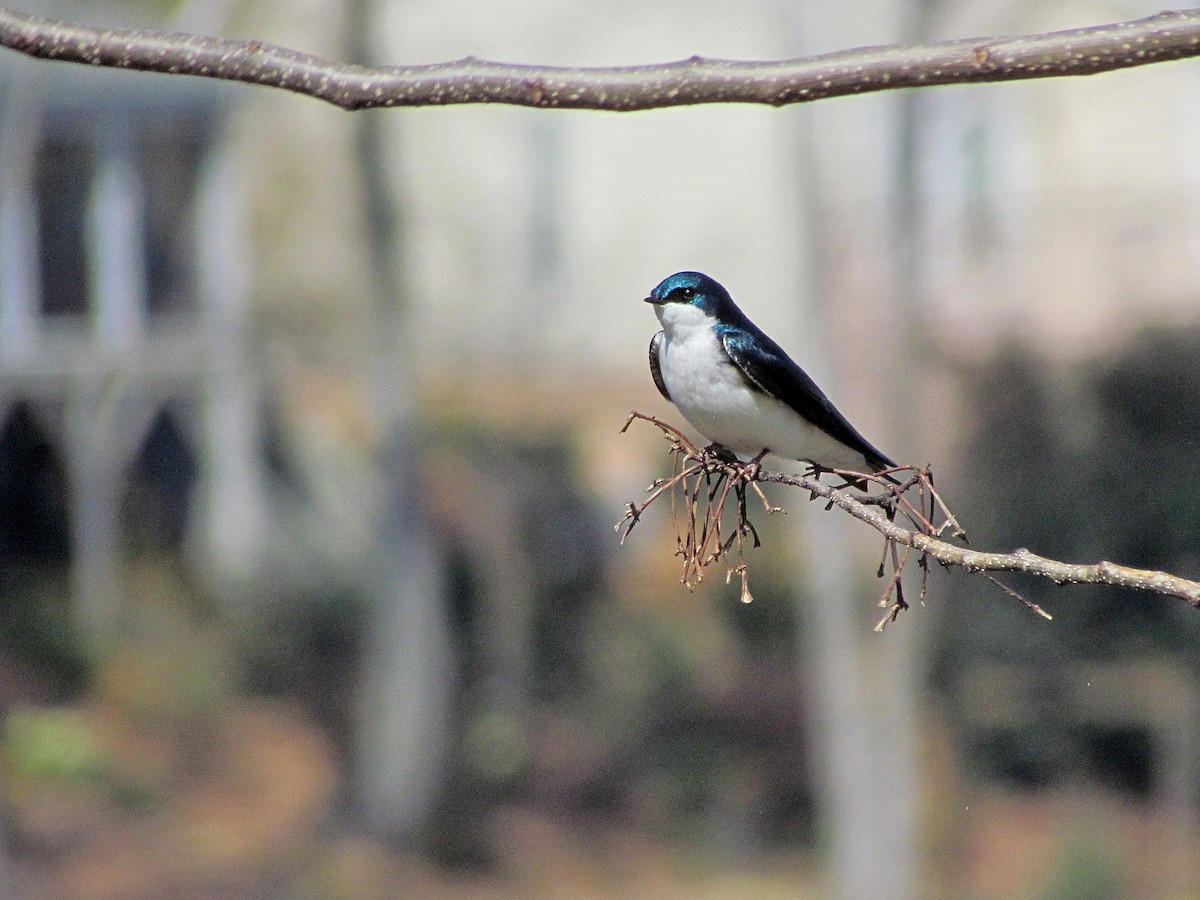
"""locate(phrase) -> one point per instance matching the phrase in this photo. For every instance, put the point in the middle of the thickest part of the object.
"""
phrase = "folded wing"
(767, 368)
(656, 367)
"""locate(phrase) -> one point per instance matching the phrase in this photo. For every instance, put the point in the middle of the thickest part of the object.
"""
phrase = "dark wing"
(773, 372)
(655, 368)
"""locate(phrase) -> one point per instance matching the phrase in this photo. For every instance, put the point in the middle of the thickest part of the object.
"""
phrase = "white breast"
(713, 395)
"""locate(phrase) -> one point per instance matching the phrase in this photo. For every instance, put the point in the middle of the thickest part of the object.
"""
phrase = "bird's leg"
(754, 467)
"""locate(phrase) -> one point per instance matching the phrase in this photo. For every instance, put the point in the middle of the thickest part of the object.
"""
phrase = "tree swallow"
(739, 389)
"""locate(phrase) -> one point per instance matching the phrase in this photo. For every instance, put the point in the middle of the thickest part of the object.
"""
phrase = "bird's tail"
(878, 462)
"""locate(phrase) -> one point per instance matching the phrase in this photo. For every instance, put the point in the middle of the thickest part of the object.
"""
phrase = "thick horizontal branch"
(1081, 51)
(1018, 561)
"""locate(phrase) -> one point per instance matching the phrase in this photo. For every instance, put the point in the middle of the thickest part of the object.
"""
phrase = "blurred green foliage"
(1086, 869)
(51, 743)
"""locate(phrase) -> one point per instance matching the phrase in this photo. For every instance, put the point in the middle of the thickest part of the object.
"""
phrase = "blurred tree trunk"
(406, 667)
(865, 683)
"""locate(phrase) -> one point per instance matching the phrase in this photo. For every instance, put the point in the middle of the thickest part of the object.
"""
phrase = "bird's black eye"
(687, 293)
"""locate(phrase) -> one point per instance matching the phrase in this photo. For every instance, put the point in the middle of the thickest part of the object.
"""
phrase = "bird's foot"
(850, 478)
(721, 453)
(816, 471)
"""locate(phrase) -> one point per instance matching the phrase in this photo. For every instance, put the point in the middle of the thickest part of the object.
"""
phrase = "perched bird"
(739, 389)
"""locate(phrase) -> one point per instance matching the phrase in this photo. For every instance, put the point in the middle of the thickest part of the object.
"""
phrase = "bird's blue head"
(693, 289)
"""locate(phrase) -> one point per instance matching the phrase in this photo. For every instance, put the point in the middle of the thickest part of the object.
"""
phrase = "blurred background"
(309, 466)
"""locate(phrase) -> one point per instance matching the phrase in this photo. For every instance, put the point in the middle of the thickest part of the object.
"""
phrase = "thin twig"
(897, 605)
(1078, 51)
(1018, 596)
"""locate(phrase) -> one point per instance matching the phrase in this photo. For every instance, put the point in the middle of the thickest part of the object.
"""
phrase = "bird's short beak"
(654, 300)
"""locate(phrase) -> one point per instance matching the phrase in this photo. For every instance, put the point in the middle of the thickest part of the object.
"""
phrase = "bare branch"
(1080, 51)
(1021, 560)
(924, 536)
